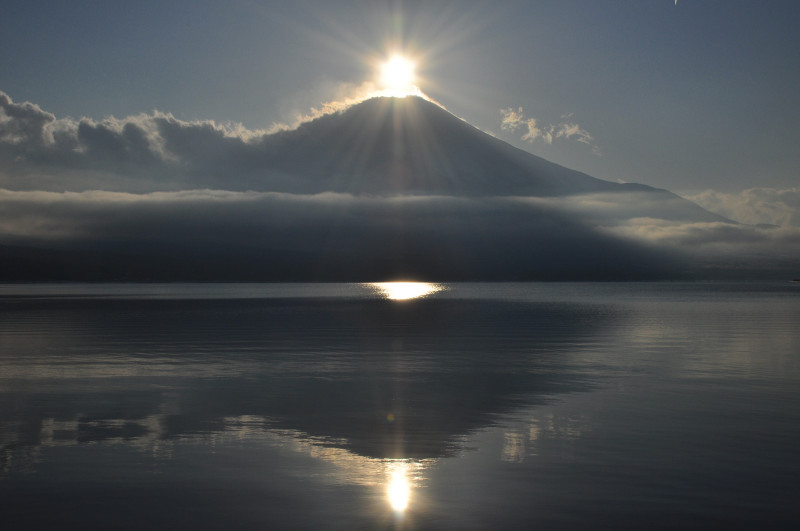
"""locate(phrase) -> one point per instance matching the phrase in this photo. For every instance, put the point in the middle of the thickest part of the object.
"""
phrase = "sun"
(397, 76)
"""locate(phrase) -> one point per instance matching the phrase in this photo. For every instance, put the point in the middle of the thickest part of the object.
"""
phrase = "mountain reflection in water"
(381, 379)
(340, 406)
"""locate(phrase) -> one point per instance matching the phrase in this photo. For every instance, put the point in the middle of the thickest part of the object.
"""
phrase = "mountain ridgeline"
(412, 146)
(409, 146)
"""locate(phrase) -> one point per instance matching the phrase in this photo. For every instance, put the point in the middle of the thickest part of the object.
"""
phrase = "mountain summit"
(387, 146)
(412, 146)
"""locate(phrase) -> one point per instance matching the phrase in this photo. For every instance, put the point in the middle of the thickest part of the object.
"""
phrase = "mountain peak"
(391, 145)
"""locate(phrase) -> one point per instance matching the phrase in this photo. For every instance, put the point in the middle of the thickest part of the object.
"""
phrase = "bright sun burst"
(397, 76)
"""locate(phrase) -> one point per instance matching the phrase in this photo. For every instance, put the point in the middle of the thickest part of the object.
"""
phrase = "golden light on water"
(398, 489)
(398, 291)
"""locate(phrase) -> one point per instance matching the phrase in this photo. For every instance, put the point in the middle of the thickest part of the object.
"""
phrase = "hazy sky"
(689, 96)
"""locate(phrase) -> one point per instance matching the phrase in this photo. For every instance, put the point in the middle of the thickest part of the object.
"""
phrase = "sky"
(698, 97)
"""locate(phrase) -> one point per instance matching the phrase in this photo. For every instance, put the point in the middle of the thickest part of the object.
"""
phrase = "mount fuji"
(387, 188)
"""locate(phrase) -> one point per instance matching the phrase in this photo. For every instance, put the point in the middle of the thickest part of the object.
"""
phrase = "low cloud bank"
(206, 234)
(223, 235)
(755, 205)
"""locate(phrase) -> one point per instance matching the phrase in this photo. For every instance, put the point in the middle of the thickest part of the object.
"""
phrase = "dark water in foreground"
(480, 406)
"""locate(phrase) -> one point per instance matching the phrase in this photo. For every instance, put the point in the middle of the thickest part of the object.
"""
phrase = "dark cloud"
(261, 236)
(219, 235)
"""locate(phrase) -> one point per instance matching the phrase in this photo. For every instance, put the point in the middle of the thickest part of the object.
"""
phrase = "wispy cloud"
(514, 119)
(754, 205)
(345, 95)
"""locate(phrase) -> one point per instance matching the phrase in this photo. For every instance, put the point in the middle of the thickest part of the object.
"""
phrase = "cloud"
(722, 250)
(514, 119)
(139, 152)
(570, 130)
(267, 235)
(706, 246)
(666, 220)
(708, 235)
(22, 122)
(345, 95)
(228, 235)
(755, 205)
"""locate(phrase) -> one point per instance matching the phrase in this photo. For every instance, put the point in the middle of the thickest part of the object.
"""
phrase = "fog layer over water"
(424, 406)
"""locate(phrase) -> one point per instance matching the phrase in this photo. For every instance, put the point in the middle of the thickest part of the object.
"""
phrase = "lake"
(414, 406)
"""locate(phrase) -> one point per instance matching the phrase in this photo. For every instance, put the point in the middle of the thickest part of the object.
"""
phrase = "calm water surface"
(355, 406)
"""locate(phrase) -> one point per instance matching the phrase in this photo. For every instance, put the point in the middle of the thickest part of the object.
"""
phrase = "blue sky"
(691, 96)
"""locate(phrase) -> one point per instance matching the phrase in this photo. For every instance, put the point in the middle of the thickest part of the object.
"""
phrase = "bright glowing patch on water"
(398, 491)
(404, 290)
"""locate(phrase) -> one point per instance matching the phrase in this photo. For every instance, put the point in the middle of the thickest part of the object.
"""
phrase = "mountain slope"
(410, 145)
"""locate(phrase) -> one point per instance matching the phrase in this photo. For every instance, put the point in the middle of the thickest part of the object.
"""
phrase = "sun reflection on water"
(398, 488)
(404, 290)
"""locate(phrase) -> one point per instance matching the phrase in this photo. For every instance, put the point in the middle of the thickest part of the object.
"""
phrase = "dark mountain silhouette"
(412, 146)
(424, 195)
